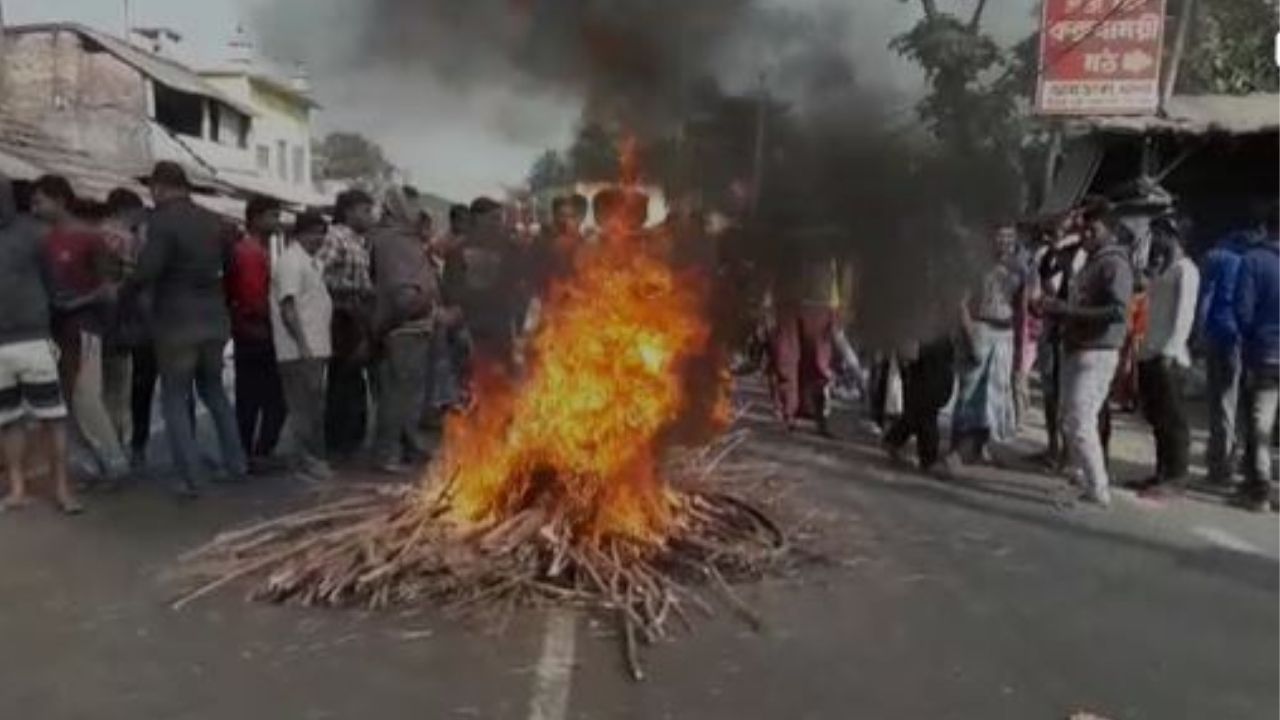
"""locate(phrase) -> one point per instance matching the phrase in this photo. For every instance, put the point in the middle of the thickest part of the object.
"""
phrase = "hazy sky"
(460, 144)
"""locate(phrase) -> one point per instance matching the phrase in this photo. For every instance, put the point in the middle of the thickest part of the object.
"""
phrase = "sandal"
(13, 504)
(70, 506)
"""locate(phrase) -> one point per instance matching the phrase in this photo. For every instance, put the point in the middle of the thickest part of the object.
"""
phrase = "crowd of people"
(349, 335)
(358, 331)
(1107, 320)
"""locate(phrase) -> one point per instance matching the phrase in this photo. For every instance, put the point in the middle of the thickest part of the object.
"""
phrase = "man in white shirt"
(1164, 358)
(301, 312)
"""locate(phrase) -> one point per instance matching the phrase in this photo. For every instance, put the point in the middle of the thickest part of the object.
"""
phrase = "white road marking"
(554, 673)
(1224, 539)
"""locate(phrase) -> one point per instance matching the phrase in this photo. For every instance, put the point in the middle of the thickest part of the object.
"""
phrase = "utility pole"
(757, 169)
(1179, 47)
(128, 20)
(4, 66)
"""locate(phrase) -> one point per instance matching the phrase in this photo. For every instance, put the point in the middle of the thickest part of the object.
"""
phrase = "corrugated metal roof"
(1196, 115)
(162, 70)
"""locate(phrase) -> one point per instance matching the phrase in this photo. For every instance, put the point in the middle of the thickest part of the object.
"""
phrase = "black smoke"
(841, 151)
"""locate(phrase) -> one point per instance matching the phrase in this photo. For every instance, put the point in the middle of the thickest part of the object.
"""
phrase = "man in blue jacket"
(1258, 315)
(1221, 336)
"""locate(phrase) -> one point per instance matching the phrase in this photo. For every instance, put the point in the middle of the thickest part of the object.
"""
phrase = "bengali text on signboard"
(1100, 57)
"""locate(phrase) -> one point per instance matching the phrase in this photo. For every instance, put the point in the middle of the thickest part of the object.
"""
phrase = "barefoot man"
(29, 387)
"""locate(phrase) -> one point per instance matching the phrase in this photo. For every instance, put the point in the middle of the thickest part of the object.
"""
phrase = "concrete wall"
(88, 99)
(283, 124)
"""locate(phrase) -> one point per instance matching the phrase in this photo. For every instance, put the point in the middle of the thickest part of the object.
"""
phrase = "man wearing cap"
(181, 269)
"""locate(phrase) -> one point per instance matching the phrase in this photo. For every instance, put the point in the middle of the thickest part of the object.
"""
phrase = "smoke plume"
(851, 152)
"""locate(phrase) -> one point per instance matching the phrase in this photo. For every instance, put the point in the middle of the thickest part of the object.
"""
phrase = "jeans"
(1087, 376)
(184, 366)
(260, 408)
(81, 366)
(1223, 369)
(926, 387)
(303, 382)
(402, 383)
(1051, 381)
(116, 371)
(142, 392)
(347, 396)
(1262, 400)
(1160, 382)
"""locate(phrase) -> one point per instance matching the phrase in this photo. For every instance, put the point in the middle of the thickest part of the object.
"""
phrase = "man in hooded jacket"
(406, 297)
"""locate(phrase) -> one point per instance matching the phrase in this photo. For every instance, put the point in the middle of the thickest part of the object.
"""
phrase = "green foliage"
(352, 156)
(548, 171)
(594, 153)
(974, 107)
(971, 105)
(1231, 50)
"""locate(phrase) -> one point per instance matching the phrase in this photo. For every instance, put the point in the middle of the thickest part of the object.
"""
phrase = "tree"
(353, 157)
(548, 171)
(1230, 50)
(594, 153)
(973, 106)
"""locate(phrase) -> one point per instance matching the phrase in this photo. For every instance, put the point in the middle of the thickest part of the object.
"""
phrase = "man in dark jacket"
(1094, 325)
(1258, 315)
(406, 297)
(181, 268)
(28, 371)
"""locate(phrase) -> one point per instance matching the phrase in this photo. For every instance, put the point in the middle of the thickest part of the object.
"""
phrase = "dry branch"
(377, 549)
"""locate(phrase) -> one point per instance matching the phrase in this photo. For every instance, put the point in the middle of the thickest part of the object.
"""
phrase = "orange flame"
(583, 428)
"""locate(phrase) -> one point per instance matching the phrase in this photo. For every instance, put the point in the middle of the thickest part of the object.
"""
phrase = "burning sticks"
(385, 547)
(560, 485)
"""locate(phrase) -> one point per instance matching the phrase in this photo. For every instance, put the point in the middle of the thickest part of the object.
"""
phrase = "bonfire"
(562, 485)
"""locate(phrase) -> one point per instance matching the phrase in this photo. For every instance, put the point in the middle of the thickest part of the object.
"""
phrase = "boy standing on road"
(28, 372)
(78, 263)
(301, 312)
(1164, 358)
(346, 260)
(260, 406)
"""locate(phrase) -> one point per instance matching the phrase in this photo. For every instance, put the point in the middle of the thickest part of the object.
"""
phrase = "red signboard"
(1100, 57)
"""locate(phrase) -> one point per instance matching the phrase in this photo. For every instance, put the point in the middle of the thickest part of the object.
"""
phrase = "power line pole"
(757, 169)
(1179, 47)
(4, 66)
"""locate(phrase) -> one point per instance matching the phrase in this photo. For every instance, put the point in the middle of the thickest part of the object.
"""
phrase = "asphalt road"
(976, 598)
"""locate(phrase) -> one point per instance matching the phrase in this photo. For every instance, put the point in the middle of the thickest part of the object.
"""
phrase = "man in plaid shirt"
(345, 259)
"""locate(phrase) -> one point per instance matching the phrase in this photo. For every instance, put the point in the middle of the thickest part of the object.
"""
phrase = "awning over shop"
(1195, 115)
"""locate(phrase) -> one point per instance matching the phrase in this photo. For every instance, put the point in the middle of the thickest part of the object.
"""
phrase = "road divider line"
(553, 676)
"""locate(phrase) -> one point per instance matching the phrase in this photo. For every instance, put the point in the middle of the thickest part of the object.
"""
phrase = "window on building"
(180, 112)
(242, 131)
(282, 159)
(215, 122)
(299, 162)
(264, 158)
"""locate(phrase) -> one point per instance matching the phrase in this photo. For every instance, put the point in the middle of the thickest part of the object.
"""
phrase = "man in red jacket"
(260, 408)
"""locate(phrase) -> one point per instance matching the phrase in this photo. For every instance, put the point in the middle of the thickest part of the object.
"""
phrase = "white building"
(279, 143)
